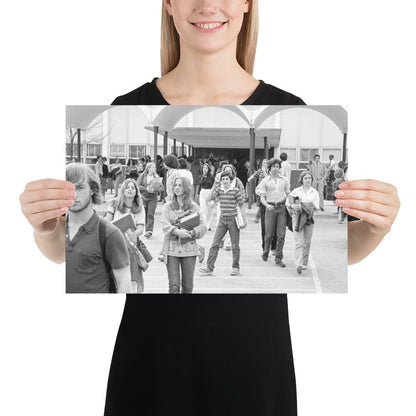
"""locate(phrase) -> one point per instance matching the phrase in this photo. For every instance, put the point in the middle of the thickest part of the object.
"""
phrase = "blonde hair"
(246, 41)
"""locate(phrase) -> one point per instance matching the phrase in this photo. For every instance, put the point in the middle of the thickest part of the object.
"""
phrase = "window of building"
(306, 156)
(118, 150)
(72, 153)
(137, 151)
(93, 150)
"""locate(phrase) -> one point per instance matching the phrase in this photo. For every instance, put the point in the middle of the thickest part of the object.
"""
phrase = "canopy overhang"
(222, 137)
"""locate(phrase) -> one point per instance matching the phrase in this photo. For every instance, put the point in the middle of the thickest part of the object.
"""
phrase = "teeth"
(208, 25)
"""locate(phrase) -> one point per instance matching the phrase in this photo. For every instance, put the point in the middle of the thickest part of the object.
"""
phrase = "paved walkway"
(256, 275)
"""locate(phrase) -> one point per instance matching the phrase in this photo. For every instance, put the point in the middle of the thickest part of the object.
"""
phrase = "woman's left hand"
(372, 201)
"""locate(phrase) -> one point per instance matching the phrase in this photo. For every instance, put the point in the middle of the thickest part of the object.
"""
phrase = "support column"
(174, 146)
(252, 165)
(344, 149)
(79, 144)
(155, 133)
(183, 149)
(266, 148)
(165, 143)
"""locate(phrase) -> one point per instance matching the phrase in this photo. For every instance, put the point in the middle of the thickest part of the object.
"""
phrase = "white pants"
(302, 244)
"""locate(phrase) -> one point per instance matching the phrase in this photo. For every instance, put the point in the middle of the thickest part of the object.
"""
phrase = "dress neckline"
(249, 101)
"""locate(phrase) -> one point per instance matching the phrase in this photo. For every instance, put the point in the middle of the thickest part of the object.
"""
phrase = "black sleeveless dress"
(198, 355)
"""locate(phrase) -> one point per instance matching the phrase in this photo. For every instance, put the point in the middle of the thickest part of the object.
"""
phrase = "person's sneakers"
(273, 252)
(235, 271)
(148, 234)
(280, 264)
(265, 256)
(201, 255)
(205, 271)
(304, 267)
(299, 269)
(227, 247)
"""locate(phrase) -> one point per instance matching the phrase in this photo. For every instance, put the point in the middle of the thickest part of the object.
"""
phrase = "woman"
(206, 181)
(237, 365)
(130, 202)
(180, 248)
(140, 166)
(301, 204)
(256, 178)
(131, 169)
(150, 184)
(117, 175)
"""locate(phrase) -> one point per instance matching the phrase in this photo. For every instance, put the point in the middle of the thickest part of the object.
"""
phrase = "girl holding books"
(129, 201)
(180, 248)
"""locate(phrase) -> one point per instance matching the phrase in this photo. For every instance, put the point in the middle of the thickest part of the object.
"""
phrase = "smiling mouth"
(208, 26)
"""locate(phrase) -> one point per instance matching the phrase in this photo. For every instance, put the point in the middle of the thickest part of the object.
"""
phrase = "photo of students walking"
(241, 226)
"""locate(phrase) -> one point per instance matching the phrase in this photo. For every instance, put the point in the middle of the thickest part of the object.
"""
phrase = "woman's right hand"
(183, 233)
(44, 201)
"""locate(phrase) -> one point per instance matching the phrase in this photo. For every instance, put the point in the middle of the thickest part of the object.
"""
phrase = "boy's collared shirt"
(274, 191)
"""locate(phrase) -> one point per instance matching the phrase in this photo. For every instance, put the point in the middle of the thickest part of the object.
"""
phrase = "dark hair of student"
(303, 174)
(274, 161)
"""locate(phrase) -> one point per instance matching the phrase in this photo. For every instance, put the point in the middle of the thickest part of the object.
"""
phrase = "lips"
(208, 26)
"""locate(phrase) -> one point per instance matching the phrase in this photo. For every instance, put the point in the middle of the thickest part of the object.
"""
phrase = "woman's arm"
(376, 204)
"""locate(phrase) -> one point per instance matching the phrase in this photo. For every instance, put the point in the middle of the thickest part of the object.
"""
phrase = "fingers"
(364, 195)
(49, 184)
(29, 197)
(47, 205)
(370, 200)
(379, 224)
(45, 200)
(368, 184)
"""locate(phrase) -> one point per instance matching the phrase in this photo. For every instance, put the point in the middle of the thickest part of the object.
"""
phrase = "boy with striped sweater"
(229, 197)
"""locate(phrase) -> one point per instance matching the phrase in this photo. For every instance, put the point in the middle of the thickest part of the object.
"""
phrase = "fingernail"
(71, 195)
(339, 193)
(344, 185)
(69, 202)
(339, 201)
(70, 185)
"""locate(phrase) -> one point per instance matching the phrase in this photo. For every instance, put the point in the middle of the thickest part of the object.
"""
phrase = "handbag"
(144, 251)
(135, 254)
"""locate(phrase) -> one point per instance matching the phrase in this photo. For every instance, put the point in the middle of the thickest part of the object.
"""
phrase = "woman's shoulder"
(267, 94)
(147, 94)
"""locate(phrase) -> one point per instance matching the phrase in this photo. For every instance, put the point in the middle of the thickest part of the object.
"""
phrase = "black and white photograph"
(206, 199)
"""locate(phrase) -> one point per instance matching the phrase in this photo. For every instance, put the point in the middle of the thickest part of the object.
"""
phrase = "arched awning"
(170, 115)
(81, 116)
(336, 113)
